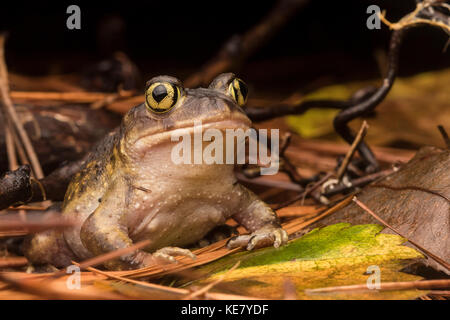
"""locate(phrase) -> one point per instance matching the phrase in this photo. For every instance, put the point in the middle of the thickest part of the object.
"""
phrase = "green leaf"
(332, 256)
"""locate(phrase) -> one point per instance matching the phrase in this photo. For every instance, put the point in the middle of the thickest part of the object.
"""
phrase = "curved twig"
(344, 117)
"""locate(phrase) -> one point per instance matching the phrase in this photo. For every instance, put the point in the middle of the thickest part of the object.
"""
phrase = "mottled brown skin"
(129, 190)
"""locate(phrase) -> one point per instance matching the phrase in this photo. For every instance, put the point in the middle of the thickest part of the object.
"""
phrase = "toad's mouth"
(236, 122)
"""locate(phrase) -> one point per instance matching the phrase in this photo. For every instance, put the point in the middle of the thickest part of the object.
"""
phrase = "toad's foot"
(261, 238)
(168, 254)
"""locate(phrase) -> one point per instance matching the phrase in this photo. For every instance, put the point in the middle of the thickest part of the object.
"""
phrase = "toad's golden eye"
(239, 91)
(161, 97)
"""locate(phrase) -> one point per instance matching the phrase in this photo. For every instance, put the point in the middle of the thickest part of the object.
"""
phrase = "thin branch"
(12, 191)
(18, 225)
(304, 194)
(387, 286)
(40, 288)
(17, 187)
(422, 14)
(8, 262)
(240, 47)
(444, 136)
(299, 224)
(415, 188)
(428, 253)
(258, 114)
(153, 286)
(19, 148)
(286, 185)
(361, 134)
(96, 98)
(10, 149)
(209, 286)
(359, 182)
(361, 108)
(11, 113)
(168, 290)
(289, 290)
(111, 255)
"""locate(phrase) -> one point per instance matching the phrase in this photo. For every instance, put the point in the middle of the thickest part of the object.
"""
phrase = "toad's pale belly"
(181, 225)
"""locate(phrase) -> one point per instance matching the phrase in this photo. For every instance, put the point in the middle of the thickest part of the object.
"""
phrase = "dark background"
(326, 39)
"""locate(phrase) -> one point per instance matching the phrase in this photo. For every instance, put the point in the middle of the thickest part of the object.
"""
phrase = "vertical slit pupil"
(159, 93)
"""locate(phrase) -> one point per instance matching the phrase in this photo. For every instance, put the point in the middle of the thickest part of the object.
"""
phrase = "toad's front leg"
(102, 234)
(106, 231)
(258, 218)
